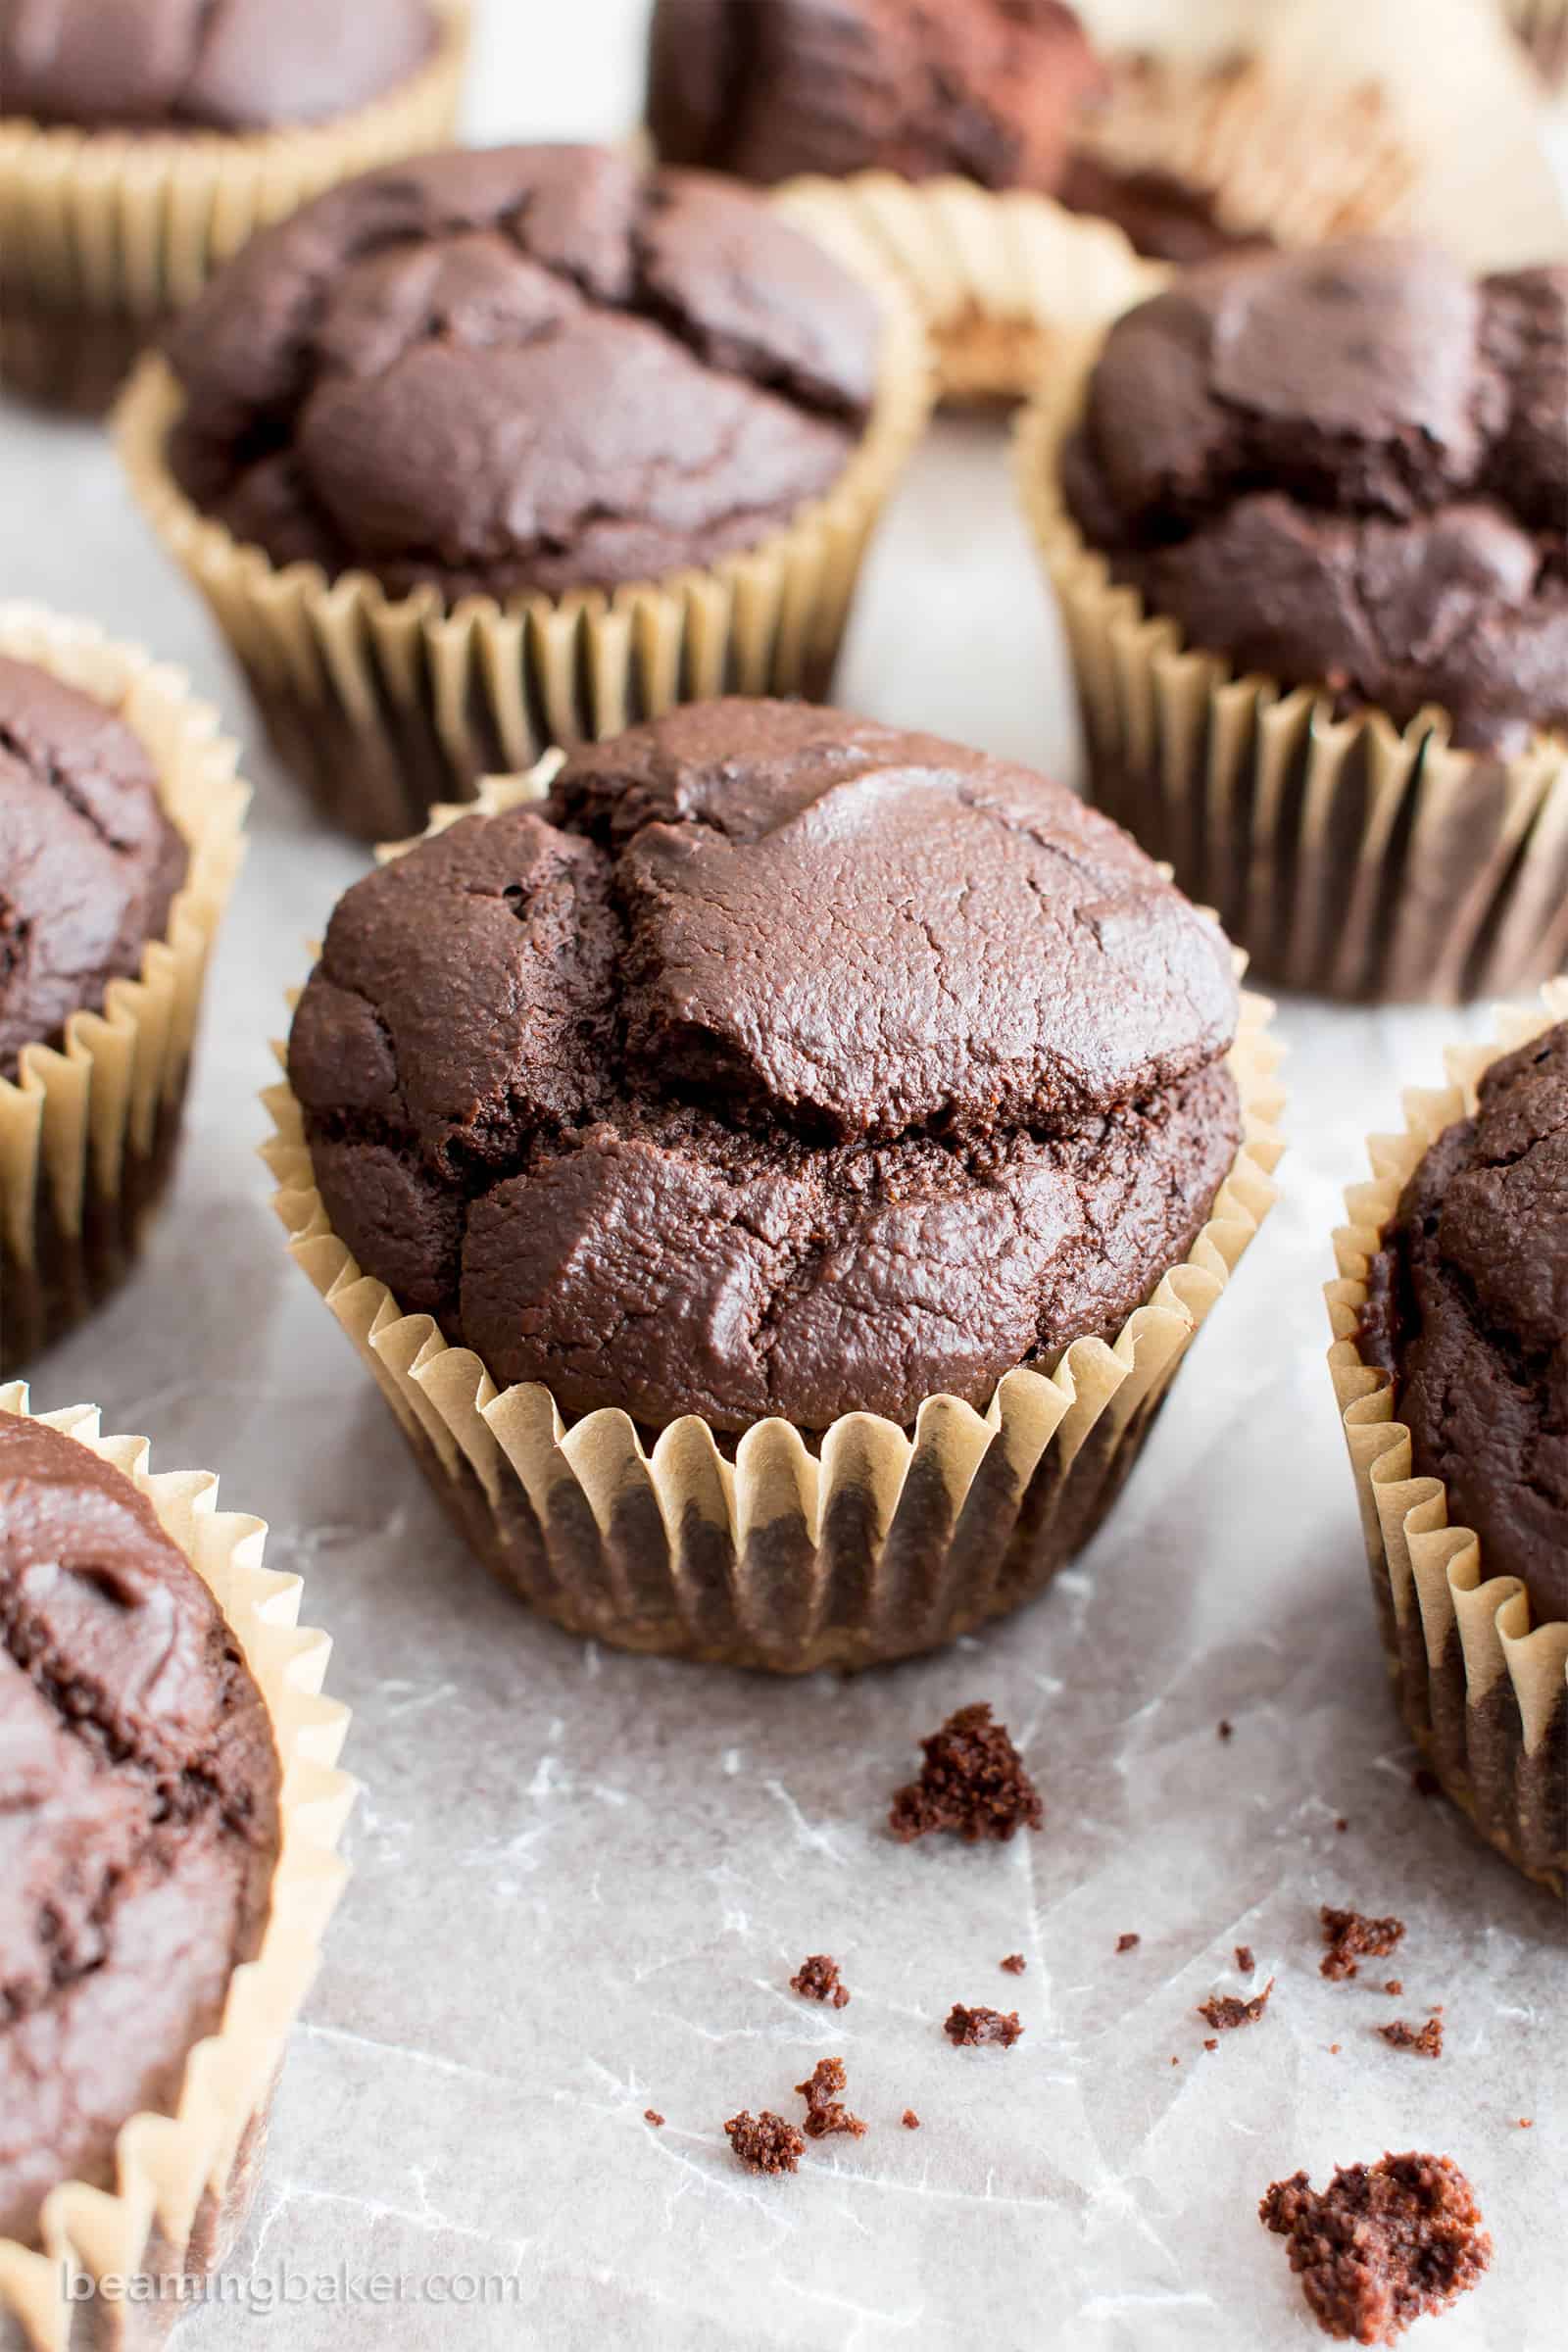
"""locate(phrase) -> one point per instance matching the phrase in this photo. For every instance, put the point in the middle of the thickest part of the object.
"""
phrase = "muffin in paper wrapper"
(1483, 1690)
(105, 234)
(89, 1131)
(1348, 856)
(386, 707)
(999, 274)
(848, 1547)
(183, 2182)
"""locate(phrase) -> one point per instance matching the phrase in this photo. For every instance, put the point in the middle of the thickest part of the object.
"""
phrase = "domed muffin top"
(1467, 1312)
(138, 1814)
(1346, 464)
(525, 367)
(778, 1063)
(204, 65)
(763, 88)
(89, 860)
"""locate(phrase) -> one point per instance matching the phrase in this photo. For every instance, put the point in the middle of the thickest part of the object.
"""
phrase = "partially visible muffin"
(91, 861)
(1347, 468)
(204, 65)
(1467, 1313)
(528, 369)
(139, 1796)
(778, 1063)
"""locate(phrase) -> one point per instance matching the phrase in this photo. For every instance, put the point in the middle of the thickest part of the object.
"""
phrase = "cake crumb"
(1382, 2244)
(824, 2113)
(1351, 1937)
(912, 2122)
(1425, 1782)
(1224, 2012)
(1395, 1984)
(1128, 1942)
(1427, 2042)
(973, 1781)
(1210, 2044)
(1342, 1824)
(817, 1979)
(765, 2142)
(1245, 1960)
(969, 2029)
(1175, 2062)
(1526, 2123)
(1015, 1964)
(1226, 1728)
(651, 2115)
(1333, 2050)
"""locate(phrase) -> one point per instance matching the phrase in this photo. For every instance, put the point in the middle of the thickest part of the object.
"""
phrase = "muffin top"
(763, 88)
(526, 368)
(138, 1815)
(90, 860)
(1345, 465)
(1467, 1312)
(204, 65)
(778, 1063)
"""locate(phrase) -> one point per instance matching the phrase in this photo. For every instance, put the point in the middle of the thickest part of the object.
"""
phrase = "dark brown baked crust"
(1382, 2244)
(988, 88)
(521, 369)
(1345, 465)
(90, 860)
(781, 1063)
(204, 65)
(138, 1815)
(1467, 1313)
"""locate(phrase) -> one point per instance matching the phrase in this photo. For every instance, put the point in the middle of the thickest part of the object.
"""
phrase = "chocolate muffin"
(139, 1795)
(1345, 467)
(1467, 1313)
(779, 1063)
(204, 65)
(90, 861)
(533, 368)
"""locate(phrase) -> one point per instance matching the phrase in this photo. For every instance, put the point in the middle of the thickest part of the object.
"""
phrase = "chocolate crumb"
(912, 2122)
(1210, 2044)
(1427, 2044)
(823, 2111)
(1382, 2244)
(1425, 1782)
(765, 2142)
(1342, 1824)
(1128, 1942)
(1333, 2050)
(1526, 2123)
(1245, 1960)
(651, 2115)
(1434, 2009)
(1015, 1964)
(1351, 1937)
(817, 1979)
(1395, 1984)
(1175, 2062)
(1224, 2012)
(1226, 1728)
(973, 1781)
(968, 2028)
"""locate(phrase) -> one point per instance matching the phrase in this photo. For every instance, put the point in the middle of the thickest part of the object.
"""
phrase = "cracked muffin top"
(204, 65)
(1347, 466)
(138, 1815)
(990, 90)
(521, 369)
(778, 1063)
(90, 860)
(1467, 1313)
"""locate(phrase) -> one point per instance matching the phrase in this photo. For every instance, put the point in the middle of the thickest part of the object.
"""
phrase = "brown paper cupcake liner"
(1541, 29)
(862, 1545)
(183, 2181)
(995, 275)
(1349, 857)
(89, 1131)
(105, 234)
(1484, 1692)
(385, 707)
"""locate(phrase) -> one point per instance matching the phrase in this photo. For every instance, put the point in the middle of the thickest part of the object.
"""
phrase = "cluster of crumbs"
(973, 1783)
(824, 2111)
(971, 2028)
(1425, 2040)
(765, 2142)
(1350, 1937)
(1382, 2244)
(817, 1979)
(1224, 2011)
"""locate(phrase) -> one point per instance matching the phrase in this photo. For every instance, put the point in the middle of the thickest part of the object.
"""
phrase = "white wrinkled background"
(582, 1879)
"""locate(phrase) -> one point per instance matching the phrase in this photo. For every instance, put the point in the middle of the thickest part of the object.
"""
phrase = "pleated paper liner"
(385, 707)
(105, 234)
(1349, 857)
(845, 1550)
(183, 2181)
(1541, 29)
(1484, 1692)
(89, 1131)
